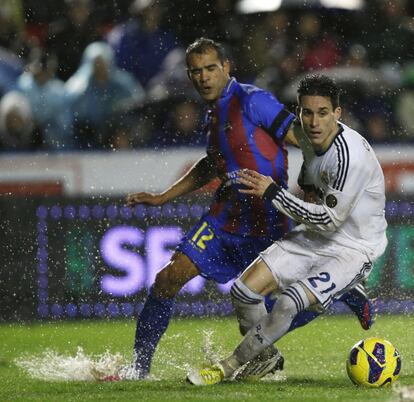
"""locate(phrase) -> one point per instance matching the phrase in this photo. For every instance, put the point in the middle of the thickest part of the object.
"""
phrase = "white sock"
(248, 305)
(274, 325)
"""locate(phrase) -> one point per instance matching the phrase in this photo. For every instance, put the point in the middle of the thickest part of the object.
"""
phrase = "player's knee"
(293, 300)
(166, 284)
(240, 293)
(173, 277)
(245, 303)
(162, 287)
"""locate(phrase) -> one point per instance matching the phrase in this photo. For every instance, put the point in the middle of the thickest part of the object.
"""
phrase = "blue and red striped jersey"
(245, 129)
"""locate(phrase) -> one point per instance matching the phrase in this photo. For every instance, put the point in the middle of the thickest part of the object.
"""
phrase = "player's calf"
(248, 305)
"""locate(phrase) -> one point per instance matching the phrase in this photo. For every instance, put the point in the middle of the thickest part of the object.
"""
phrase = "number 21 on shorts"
(202, 235)
(322, 282)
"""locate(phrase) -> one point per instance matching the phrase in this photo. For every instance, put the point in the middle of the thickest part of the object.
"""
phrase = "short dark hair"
(203, 45)
(319, 85)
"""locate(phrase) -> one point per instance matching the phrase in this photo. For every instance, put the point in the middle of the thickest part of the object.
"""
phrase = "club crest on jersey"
(331, 201)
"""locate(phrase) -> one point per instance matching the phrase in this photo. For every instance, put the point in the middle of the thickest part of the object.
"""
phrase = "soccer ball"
(373, 362)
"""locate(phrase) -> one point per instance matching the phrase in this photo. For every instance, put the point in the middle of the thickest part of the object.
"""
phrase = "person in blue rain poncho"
(98, 92)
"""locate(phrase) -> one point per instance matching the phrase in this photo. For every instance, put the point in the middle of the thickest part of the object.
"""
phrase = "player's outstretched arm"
(201, 173)
(144, 198)
(317, 216)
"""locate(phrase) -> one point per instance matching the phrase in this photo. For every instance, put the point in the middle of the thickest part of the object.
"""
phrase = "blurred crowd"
(110, 74)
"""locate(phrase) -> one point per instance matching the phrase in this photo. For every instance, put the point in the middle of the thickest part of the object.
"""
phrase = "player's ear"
(338, 113)
(188, 74)
(226, 66)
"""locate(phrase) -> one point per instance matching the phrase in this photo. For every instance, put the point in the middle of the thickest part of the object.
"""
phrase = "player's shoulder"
(251, 96)
(249, 91)
(344, 149)
(353, 143)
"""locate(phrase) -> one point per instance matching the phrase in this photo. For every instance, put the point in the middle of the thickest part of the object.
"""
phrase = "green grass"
(314, 369)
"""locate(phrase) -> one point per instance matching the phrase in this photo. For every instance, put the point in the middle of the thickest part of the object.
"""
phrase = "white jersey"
(349, 182)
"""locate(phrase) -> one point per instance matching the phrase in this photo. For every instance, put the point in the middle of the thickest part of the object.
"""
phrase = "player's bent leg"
(268, 330)
(274, 325)
(357, 299)
(247, 293)
(170, 280)
(247, 296)
(249, 308)
(301, 319)
(155, 316)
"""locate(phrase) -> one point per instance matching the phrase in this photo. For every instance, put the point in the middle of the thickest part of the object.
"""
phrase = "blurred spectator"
(376, 114)
(172, 80)
(49, 105)
(405, 115)
(17, 128)
(319, 49)
(376, 129)
(356, 56)
(213, 19)
(121, 136)
(349, 118)
(98, 92)
(390, 35)
(12, 25)
(180, 127)
(141, 44)
(366, 50)
(404, 106)
(69, 36)
(266, 47)
(10, 69)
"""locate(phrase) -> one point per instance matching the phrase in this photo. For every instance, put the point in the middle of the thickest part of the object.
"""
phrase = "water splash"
(278, 376)
(211, 351)
(53, 366)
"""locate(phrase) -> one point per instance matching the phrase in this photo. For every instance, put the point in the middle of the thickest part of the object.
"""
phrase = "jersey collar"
(340, 131)
(229, 88)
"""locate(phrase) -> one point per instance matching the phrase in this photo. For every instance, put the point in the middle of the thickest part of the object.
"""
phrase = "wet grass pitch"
(314, 361)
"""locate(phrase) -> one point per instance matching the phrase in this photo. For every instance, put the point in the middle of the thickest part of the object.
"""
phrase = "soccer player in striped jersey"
(333, 247)
(246, 129)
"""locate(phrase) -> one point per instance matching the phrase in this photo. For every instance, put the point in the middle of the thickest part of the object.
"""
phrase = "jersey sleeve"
(267, 112)
(312, 215)
(346, 183)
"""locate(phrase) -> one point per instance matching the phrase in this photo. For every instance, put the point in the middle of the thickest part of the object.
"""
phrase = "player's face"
(208, 75)
(319, 120)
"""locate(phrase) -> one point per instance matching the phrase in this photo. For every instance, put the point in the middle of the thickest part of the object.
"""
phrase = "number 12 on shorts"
(202, 235)
(320, 282)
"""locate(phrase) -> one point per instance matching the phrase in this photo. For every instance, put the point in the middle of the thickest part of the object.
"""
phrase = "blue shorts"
(220, 255)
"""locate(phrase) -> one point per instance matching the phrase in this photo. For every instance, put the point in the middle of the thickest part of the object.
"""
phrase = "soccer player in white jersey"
(333, 247)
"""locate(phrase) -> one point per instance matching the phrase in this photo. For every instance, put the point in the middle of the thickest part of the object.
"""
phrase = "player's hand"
(255, 182)
(144, 198)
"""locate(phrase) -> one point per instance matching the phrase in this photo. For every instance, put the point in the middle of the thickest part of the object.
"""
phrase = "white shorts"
(326, 269)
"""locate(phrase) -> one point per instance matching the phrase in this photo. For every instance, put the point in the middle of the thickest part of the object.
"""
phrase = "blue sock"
(302, 319)
(152, 323)
(299, 320)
